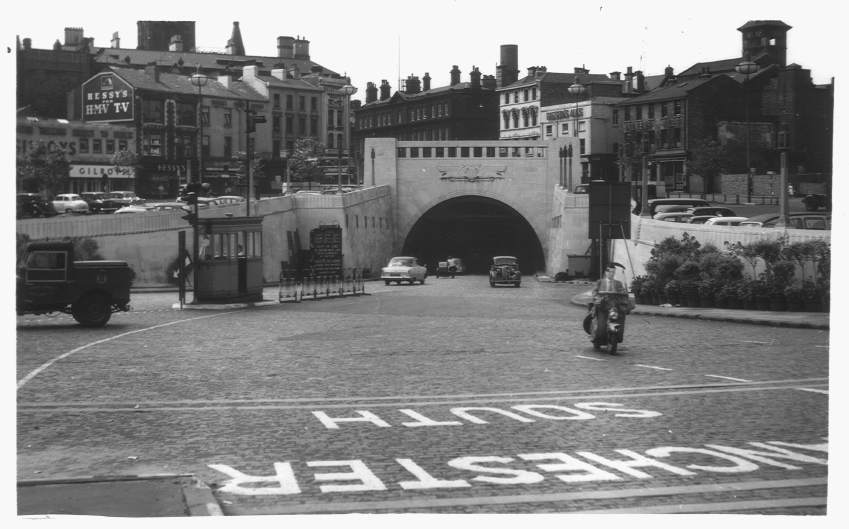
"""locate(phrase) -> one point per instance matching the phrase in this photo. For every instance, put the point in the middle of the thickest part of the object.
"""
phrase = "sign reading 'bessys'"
(107, 97)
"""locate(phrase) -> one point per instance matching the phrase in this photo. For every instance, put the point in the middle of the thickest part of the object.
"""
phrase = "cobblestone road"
(444, 397)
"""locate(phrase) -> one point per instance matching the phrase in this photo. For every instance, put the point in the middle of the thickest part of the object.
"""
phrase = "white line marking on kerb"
(729, 378)
(654, 367)
(32, 374)
(812, 390)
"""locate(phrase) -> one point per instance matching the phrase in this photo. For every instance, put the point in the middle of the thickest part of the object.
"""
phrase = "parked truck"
(50, 280)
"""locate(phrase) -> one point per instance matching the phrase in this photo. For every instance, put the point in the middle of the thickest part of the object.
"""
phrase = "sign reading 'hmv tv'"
(107, 97)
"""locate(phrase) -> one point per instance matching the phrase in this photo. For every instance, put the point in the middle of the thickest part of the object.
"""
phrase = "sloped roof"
(459, 87)
(177, 83)
(673, 91)
(299, 84)
(563, 78)
(713, 67)
(207, 61)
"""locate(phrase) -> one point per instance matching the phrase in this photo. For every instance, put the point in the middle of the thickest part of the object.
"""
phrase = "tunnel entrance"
(474, 228)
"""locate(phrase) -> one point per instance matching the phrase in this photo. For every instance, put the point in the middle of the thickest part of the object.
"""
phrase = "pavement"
(184, 495)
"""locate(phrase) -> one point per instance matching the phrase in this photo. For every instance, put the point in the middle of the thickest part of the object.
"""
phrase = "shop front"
(100, 177)
(160, 180)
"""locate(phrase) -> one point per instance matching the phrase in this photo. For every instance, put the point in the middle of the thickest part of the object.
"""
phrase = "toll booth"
(229, 260)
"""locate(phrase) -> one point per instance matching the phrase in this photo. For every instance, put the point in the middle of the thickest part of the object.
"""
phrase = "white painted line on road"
(361, 506)
(32, 374)
(757, 342)
(311, 404)
(654, 367)
(729, 378)
(714, 507)
(591, 358)
(812, 390)
(822, 346)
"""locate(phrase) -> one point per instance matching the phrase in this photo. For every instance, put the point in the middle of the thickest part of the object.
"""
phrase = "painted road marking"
(360, 506)
(591, 358)
(32, 374)
(402, 401)
(715, 507)
(729, 378)
(654, 367)
(812, 390)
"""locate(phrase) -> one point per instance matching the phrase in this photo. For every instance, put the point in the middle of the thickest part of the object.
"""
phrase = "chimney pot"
(455, 75)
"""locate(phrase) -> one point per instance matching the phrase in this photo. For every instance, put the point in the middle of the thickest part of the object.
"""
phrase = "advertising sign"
(97, 171)
(107, 97)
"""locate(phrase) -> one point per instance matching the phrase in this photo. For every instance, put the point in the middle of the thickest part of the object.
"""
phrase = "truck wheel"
(92, 310)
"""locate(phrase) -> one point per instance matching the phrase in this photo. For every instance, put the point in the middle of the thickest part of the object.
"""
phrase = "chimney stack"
(455, 75)
(507, 72)
(27, 43)
(224, 79)
(489, 82)
(629, 81)
(151, 71)
(116, 41)
(532, 71)
(426, 81)
(73, 36)
(279, 73)
(302, 49)
(385, 90)
(286, 47)
(475, 76)
(641, 81)
(235, 45)
(371, 92)
(616, 76)
(413, 84)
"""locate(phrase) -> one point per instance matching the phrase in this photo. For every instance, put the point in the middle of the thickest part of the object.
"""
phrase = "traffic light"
(190, 217)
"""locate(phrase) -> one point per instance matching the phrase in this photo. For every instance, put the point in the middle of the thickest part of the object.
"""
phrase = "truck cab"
(50, 280)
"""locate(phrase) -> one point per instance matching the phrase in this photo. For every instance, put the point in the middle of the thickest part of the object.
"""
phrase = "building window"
(228, 119)
(289, 125)
(330, 140)
(548, 130)
(152, 145)
(477, 152)
(516, 96)
(464, 152)
(503, 152)
(533, 116)
(506, 115)
(677, 108)
(639, 112)
(186, 114)
(313, 126)
(627, 113)
(452, 152)
(110, 146)
(84, 145)
(152, 111)
(490, 152)
(275, 124)
(96, 147)
(204, 115)
(426, 152)
(506, 98)
(651, 110)
(205, 146)
(615, 117)
(582, 126)
(583, 146)
(414, 152)
(663, 110)
(228, 147)
(440, 152)
(314, 104)
(616, 149)
(289, 101)
(302, 103)
(276, 100)
(534, 93)
(302, 125)
(122, 145)
(525, 94)
(564, 128)
(524, 117)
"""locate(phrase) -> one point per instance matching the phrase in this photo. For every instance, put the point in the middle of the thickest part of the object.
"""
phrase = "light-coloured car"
(799, 221)
(227, 199)
(403, 268)
(133, 208)
(678, 216)
(70, 203)
(167, 206)
(725, 221)
(125, 197)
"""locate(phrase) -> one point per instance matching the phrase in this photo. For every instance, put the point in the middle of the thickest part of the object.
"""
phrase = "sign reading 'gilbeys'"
(107, 97)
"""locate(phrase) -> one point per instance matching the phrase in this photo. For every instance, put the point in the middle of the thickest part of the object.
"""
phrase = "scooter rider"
(607, 285)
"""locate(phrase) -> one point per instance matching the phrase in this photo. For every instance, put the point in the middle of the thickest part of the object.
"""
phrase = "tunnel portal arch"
(474, 228)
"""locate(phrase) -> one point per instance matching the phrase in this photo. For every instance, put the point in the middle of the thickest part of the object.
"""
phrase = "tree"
(707, 159)
(302, 162)
(122, 158)
(43, 171)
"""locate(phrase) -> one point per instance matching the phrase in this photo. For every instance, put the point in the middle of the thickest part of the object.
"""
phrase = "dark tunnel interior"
(475, 229)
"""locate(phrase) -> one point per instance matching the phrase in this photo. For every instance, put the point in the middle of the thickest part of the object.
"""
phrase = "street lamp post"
(747, 68)
(576, 89)
(346, 91)
(199, 80)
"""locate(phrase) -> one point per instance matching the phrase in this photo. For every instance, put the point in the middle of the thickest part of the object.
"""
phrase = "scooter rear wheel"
(612, 342)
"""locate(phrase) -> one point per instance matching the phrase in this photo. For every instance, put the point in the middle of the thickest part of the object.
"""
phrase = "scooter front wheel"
(612, 342)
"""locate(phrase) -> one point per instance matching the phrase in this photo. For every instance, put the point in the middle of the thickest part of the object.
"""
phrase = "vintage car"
(403, 268)
(504, 270)
(450, 267)
(31, 205)
(70, 203)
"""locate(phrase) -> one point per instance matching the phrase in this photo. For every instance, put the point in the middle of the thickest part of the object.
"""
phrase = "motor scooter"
(606, 321)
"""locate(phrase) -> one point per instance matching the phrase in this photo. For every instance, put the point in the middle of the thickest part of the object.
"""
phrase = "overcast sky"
(375, 40)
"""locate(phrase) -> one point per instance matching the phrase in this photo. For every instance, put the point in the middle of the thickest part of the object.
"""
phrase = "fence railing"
(294, 288)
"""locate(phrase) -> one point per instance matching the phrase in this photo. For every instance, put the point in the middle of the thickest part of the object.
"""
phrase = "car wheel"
(387, 283)
(518, 285)
(423, 280)
(92, 310)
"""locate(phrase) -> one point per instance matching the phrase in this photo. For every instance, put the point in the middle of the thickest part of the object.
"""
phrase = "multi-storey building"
(778, 107)
(66, 67)
(88, 147)
(162, 107)
(461, 110)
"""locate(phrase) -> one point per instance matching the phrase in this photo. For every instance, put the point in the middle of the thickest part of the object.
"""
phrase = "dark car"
(655, 202)
(815, 201)
(799, 221)
(30, 205)
(714, 211)
(504, 269)
(99, 202)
